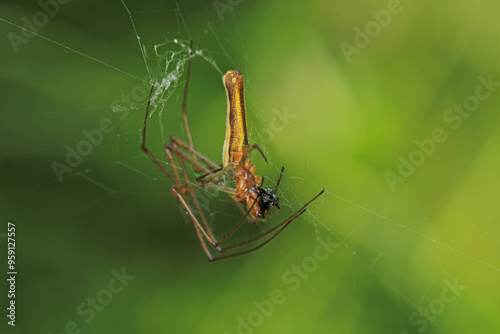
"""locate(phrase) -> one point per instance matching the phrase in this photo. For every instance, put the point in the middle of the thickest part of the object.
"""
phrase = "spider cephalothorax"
(267, 199)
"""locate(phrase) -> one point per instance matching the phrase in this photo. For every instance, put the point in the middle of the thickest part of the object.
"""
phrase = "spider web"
(165, 62)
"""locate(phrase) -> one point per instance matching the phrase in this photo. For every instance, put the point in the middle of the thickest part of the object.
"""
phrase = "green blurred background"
(420, 256)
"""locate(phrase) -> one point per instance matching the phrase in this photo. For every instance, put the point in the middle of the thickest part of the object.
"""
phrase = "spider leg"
(177, 180)
(279, 179)
(225, 168)
(143, 145)
(180, 157)
(195, 153)
(184, 99)
(199, 229)
(170, 157)
(214, 173)
(257, 147)
(175, 147)
(202, 231)
(228, 190)
(239, 205)
(242, 220)
(280, 227)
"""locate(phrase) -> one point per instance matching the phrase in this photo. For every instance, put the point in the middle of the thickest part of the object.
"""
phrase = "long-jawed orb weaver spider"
(248, 186)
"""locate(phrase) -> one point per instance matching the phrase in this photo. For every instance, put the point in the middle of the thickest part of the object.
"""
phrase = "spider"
(248, 190)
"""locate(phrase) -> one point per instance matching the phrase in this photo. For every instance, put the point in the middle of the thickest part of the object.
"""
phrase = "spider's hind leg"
(280, 227)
